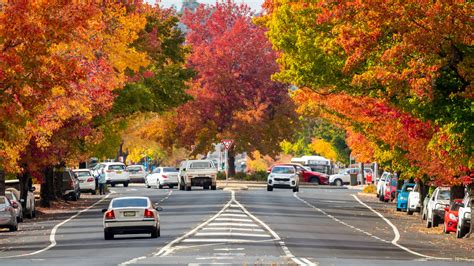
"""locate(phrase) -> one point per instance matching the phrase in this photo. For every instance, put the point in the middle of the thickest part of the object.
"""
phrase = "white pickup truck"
(464, 217)
(201, 173)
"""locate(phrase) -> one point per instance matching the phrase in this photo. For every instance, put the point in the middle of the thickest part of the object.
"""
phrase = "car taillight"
(90, 179)
(110, 215)
(149, 214)
(164, 176)
(109, 171)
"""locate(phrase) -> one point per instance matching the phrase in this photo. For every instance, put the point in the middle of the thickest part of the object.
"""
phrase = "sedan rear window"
(134, 168)
(170, 170)
(123, 203)
(117, 167)
(83, 173)
(283, 170)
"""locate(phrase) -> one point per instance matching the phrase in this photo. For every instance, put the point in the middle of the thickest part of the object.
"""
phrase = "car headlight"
(452, 216)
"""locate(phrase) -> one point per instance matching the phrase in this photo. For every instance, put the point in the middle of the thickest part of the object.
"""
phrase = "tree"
(234, 97)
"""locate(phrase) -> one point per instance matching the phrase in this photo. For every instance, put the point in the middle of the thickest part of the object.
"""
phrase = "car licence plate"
(128, 214)
(119, 172)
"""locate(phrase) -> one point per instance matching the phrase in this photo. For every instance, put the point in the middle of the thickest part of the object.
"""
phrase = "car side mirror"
(104, 210)
(158, 208)
(15, 205)
(32, 189)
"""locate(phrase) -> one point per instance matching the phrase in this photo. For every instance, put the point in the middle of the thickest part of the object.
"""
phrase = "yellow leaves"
(258, 163)
(324, 148)
(57, 91)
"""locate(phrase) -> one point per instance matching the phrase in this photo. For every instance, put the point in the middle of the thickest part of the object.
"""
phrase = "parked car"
(414, 204)
(343, 177)
(137, 172)
(381, 185)
(86, 180)
(283, 176)
(162, 176)
(451, 216)
(368, 173)
(7, 214)
(435, 208)
(16, 203)
(30, 207)
(197, 173)
(402, 197)
(131, 215)
(390, 188)
(70, 188)
(464, 217)
(115, 173)
(306, 174)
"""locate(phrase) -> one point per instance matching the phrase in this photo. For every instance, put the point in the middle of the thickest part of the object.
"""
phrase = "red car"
(390, 189)
(307, 175)
(451, 216)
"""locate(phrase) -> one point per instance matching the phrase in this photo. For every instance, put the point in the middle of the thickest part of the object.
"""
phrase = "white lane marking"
(217, 240)
(233, 224)
(234, 220)
(52, 236)
(397, 234)
(232, 234)
(228, 249)
(233, 211)
(215, 258)
(232, 229)
(308, 262)
(229, 254)
(233, 215)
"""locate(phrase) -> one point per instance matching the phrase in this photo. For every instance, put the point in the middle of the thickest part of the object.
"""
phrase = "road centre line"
(234, 220)
(232, 229)
(233, 224)
(232, 234)
(52, 236)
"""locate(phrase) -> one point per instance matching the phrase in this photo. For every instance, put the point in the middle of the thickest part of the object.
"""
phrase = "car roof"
(81, 170)
(113, 163)
(284, 165)
(134, 165)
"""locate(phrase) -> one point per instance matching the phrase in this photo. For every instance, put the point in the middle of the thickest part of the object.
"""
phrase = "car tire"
(188, 188)
(125, 184)
(428, 222)
(213, 187)
(338, 182)
(108, 236)
(399, 210)
(33, 215)
(205, 187)
(112, 184)
(93, 192)
(269, 188)
(181, 186)
(74, 198)
(296, 189)
(160, 186)
(381, 198)
(435, 221)
(13, 228)
(460, 232)
(314, 180)
(155, 233)
(409, 212)
(445, 229)
(171, 186)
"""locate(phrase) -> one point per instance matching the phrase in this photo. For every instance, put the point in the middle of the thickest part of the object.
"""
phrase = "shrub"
(371, 189)
(220, 175)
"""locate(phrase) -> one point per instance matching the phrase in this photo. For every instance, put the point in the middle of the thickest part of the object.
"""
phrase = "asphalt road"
(202, 227)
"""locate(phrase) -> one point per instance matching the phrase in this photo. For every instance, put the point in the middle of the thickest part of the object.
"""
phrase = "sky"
(254, 4)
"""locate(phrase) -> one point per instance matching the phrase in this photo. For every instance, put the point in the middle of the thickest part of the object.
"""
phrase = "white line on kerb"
(52, 236)
(397, 234)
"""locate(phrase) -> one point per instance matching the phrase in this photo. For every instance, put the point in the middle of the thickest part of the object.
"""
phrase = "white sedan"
(162, 176)
(86, 180)
(131, 215)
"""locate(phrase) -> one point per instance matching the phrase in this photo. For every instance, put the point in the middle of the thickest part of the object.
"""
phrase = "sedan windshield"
(444, 195)
(133, 202)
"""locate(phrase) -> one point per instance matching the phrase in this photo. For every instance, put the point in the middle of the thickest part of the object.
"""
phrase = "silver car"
(16, 203)
(131, 215)
(7, 214)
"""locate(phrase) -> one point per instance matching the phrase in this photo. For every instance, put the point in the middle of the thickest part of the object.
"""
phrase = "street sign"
(227, 143)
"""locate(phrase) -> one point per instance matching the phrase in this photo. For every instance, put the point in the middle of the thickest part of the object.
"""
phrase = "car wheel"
(33, 215)
(188, 188)
(181, 186)
(125, 184)
(339, 183)
(381, 198)
(435, 221)
(170, 186)
(112, 184)
(155, 233)
(296, 189)
(314, 180)
(213, 187)
(93, 192)
(13, 228)
(160, 186)
(445, 230)
(269, 188)
(409, 212)
(74, 198)
(205, 187)
(399, 210)
(108, 236)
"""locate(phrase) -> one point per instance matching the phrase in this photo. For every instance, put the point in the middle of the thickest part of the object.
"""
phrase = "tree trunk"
(423, 192)
(122, 154)
(24, 182)
(231, 162)
(47, 187)
(2, 183)
(58, 181)
(362, 174)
